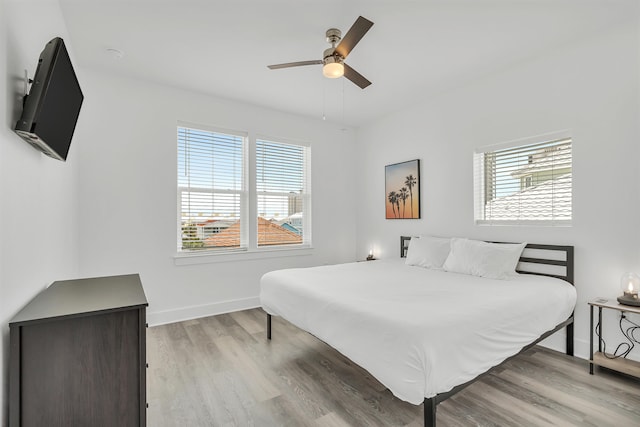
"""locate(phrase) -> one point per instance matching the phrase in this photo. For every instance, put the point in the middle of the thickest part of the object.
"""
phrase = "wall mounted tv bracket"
(27, 82)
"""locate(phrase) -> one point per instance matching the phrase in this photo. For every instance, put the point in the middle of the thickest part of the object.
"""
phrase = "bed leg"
(570, 339)
(268, 326)
(430, 412)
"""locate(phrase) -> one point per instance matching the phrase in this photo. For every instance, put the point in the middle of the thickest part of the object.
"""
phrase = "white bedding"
(420, 332)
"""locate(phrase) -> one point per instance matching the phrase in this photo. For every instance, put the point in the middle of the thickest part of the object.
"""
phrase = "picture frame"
(402, 190)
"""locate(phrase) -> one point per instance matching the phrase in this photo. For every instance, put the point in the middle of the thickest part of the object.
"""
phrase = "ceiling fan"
(332, 61)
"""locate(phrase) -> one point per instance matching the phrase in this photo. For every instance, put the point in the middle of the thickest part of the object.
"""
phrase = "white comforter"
(420, 332)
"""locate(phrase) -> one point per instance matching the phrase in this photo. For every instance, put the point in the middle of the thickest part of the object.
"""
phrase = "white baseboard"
(196, 311)
(557, 342)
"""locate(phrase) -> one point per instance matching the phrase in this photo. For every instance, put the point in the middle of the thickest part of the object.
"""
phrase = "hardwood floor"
(222, 371)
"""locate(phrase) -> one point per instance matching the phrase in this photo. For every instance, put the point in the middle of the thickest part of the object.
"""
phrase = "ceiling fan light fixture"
(333, 70)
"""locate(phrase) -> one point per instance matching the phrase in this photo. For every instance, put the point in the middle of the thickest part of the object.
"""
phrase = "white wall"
(38, 232)
(128, 214)
(111, 208)
(590, 88)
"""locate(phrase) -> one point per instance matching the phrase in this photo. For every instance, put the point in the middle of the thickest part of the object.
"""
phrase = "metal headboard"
(566, 263)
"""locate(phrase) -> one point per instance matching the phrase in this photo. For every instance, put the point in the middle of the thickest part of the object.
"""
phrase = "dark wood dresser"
(78, 355)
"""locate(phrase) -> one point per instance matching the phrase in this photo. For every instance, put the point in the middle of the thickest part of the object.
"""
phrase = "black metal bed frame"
(430, 404)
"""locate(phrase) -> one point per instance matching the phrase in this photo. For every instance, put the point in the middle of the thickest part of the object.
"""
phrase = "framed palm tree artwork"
(402, 190)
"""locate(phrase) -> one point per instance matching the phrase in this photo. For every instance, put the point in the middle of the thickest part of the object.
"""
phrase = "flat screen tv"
(52, 106)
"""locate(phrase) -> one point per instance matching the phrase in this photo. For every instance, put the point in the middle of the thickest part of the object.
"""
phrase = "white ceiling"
(415, 49)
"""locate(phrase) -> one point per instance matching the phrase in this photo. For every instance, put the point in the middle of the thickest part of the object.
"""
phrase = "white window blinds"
(211, 189)
(219, 210)
(528, 184)
(283, 195)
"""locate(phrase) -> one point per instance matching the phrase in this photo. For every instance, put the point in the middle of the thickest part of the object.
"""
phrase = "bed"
(425, 333)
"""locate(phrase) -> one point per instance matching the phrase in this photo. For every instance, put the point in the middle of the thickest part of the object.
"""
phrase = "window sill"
(212, 257)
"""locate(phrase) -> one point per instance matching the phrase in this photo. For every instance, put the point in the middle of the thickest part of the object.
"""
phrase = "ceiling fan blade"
(294, 64)
(353, 36)
(355, 77)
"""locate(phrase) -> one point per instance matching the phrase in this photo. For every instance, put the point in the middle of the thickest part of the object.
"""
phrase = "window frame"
(249, 209)
(480, 181)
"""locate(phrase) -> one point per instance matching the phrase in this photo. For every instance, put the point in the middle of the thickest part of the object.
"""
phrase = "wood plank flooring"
(222, 371)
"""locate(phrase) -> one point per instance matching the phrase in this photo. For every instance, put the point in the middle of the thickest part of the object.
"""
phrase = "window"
(216, 202)
(212, 188)
(283, 195)
(527, 183)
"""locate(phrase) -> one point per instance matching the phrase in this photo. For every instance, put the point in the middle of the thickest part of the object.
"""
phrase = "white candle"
(631, 291)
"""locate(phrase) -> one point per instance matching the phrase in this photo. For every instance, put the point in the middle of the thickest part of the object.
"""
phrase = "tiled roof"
(539, 202)
(268, 234)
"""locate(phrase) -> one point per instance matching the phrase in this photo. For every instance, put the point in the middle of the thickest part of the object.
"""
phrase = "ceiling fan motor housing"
(330, 55)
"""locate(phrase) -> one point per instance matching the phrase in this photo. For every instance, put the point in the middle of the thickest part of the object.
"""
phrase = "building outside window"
(524, 182)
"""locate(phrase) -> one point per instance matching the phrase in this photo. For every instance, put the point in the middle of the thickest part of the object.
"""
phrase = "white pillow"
(428, 251)
(477, 258)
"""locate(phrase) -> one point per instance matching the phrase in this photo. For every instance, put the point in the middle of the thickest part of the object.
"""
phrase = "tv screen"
(52, 107)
